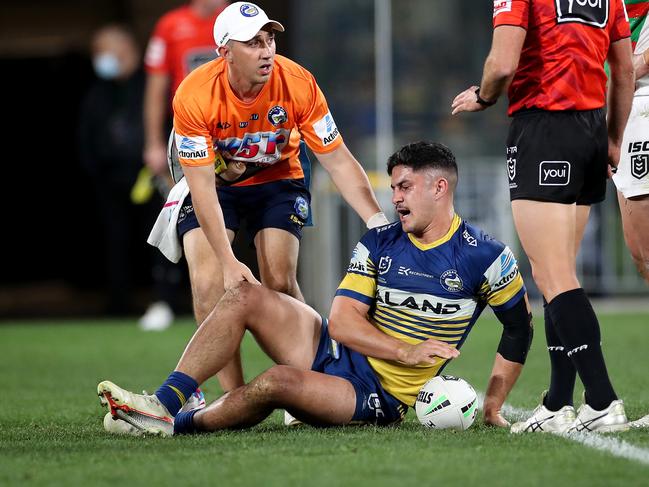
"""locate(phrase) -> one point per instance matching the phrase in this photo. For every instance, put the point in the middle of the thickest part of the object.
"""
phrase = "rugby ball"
(446, 402)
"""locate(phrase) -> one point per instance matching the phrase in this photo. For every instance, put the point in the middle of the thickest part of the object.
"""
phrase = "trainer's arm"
(201, 182)
(156, 104)
(499, 70)
(512, 351)
(353, 184)
(621, 86)
(348, 324)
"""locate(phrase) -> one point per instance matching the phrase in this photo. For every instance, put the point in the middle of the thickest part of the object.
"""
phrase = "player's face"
(413, 196)
(253, 60)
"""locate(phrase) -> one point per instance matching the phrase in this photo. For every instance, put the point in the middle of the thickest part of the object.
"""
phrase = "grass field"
(51, 431)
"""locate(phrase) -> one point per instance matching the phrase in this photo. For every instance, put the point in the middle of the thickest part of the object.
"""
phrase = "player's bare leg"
(286, 329)
(277, 255)
(207, 288)
(635, 221)
(312, 397)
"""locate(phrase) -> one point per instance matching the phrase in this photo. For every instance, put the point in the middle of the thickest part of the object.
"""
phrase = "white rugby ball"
(446, 402)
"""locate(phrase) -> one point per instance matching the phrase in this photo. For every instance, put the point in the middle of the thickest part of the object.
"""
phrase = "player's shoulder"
(194, 85)
(385, 234)
(477, 244)
(292, 70)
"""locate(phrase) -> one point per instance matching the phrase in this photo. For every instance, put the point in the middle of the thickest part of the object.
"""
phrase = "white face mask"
(106, 66)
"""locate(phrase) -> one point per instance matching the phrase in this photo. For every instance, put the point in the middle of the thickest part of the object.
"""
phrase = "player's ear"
(440, 187)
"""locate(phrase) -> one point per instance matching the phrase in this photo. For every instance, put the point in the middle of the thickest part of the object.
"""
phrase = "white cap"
(241, 21)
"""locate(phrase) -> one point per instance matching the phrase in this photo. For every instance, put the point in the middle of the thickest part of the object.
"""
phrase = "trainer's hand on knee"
(235, 273)
(426, 352)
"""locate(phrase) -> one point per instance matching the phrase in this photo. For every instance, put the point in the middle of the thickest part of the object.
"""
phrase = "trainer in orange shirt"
(252, 108)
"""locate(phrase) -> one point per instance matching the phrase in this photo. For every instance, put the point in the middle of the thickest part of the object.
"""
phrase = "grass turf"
(51, 432)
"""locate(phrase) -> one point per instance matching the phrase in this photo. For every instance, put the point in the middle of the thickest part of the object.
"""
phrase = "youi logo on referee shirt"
(591, 12)
(554, 173)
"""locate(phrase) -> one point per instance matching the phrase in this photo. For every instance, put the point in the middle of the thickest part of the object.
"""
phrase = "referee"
(560, 150)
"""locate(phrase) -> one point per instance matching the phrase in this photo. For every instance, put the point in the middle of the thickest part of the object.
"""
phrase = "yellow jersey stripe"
(455, 224)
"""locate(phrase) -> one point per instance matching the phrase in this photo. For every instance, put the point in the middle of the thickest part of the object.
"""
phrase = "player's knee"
(274, 385)
(243, 294)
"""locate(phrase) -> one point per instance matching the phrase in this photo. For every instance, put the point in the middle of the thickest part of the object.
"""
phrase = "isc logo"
(638, 147)
(592, 12)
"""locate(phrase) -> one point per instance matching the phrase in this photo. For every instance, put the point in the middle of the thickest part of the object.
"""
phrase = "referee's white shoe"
(543, 420)
(608, 420)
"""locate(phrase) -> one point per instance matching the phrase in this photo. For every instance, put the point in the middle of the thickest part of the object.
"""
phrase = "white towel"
(163, 234)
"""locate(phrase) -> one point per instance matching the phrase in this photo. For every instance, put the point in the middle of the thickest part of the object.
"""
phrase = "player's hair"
(426, 155)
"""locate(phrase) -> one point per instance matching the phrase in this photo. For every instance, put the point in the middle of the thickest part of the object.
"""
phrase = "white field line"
(607, 444)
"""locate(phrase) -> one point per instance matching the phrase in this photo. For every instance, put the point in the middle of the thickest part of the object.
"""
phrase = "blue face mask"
(106, 66)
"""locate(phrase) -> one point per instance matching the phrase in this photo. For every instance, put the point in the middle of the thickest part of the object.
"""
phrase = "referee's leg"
(551, 234)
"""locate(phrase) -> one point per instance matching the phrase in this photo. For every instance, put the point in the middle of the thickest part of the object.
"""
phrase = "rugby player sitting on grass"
(411, 295)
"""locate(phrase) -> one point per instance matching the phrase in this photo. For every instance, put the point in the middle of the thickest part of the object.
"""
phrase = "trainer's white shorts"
(632, 177)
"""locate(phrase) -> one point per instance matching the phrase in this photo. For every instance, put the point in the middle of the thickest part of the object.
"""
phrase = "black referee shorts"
(558, 157)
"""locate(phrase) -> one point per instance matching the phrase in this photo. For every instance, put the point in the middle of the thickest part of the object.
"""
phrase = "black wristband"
(482, 101)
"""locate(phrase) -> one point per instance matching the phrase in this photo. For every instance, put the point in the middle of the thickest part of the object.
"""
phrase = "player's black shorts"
(283, 204)
(559, 157)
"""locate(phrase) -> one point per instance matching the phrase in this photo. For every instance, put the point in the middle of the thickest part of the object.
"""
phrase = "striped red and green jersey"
(637, 11)
(562, 61)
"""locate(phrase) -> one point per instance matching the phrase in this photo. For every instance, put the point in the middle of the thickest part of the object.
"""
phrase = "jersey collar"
(455, 224)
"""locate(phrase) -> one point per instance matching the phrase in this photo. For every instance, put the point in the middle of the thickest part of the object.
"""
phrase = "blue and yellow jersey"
(437, 290)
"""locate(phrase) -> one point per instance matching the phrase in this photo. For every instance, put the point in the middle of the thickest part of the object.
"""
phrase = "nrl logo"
(511, 168)
(384, 264)
(640, 165)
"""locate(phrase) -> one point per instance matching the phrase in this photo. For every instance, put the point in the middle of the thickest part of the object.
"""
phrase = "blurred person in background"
(632, 176)
(110, 145)
(181, 41)
(110, 142)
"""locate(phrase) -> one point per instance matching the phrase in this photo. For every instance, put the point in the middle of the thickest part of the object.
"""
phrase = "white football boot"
(118, 426)
(144, 412)
(543, 420)
(640, 423)
(608, 420)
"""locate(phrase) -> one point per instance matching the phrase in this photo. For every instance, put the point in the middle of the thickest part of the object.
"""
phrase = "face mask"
(106, 66)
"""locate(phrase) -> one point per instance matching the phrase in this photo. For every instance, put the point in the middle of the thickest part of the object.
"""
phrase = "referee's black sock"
(562, 370)
(578, 329)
